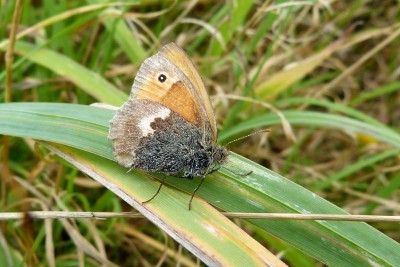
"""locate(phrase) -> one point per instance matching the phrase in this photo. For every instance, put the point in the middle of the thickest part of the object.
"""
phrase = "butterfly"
(168, 124)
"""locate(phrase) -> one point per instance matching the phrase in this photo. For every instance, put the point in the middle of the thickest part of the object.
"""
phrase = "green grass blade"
(205, 232)
(91, 82)
(334, 243)
(122, 34)
(211, 237)
(86, 128)
(311, 118)
(59, 123)
(240, 10)
(281, 81)
(370, 161)
(383, 90)
(386, 192)
(334, 107)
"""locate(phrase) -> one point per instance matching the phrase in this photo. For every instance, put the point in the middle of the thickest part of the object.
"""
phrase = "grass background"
(323, 66)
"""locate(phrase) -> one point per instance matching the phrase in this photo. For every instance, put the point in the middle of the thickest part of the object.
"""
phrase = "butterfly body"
(168, 124)
(181, 150)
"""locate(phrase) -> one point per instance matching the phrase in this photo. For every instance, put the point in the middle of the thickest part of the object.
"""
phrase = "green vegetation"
(323, 76)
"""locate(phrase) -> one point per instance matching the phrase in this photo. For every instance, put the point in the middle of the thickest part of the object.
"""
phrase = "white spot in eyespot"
(146, 121)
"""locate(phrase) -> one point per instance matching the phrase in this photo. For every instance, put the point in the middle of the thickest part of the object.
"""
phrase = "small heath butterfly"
(168, 123)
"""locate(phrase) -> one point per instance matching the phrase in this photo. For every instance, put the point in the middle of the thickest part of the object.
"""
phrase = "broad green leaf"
(86, 128)
(203, 231)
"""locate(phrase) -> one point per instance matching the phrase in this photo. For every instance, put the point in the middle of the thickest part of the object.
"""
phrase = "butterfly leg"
(194, 192)
(158, 190)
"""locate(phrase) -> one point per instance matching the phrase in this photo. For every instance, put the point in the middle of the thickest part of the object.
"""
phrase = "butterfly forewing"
(178, 57)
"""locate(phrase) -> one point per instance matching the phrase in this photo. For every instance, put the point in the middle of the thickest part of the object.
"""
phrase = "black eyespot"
(162, 78)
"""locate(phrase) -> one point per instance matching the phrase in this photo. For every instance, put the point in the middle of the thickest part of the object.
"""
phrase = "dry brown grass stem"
(270, 216)
(359, 63)
(59, 17)
(9, 58)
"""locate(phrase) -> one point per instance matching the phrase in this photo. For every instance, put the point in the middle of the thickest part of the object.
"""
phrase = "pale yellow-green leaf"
(204, 231)
(270, 87)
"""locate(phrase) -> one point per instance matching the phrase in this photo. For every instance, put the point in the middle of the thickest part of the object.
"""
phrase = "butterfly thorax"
(205, 161)
(165, 143)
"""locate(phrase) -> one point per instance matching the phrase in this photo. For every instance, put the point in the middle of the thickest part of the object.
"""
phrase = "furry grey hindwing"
(130, 124)
(150, 137)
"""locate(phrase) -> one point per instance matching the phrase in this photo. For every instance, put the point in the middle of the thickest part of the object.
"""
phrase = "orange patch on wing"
(179, 58)
(179, 100)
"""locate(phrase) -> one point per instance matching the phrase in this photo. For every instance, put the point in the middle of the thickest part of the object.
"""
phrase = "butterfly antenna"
(253, 133)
